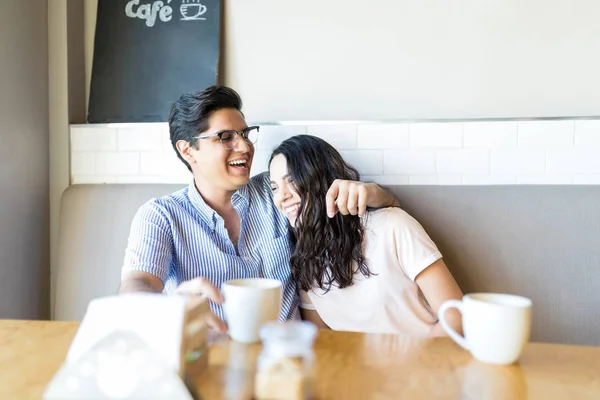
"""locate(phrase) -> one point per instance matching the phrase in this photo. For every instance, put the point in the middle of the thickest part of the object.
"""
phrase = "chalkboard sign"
(147, 53)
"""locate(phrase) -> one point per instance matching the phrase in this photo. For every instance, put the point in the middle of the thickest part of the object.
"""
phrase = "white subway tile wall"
(442, 153)
(546, 134)
(436, 135)
(490, 135)
(386, 136)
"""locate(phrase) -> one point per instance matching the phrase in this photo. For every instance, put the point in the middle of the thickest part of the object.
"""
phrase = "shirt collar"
(240, 200)
(242, 194)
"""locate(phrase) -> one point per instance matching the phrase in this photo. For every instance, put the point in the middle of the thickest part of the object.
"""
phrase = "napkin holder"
(135, 346)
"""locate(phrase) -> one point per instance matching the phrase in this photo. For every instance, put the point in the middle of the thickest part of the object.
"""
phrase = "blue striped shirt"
(178, 237)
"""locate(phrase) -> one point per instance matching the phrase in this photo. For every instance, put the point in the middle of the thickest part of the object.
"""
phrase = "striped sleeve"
(150, 243)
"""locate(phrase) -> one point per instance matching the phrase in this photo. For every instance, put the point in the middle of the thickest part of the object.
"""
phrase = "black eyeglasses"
(230, 137)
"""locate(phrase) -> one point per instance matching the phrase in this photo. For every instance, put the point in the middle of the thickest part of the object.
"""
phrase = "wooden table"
(348, 366)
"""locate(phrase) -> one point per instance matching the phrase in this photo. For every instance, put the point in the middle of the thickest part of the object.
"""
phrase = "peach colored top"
(396, 249)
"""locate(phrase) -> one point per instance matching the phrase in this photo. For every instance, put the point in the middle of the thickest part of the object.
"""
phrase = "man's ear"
(185, 150)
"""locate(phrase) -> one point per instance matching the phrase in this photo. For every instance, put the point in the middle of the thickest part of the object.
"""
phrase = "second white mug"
(496, 326)
(249, 303)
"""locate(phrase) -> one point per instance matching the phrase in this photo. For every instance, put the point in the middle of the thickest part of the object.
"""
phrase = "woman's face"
(285, 197)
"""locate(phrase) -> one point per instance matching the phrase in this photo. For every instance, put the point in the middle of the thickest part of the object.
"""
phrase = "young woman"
(376, 273)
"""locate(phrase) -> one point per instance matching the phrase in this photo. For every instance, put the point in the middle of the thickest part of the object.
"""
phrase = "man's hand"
(352, 197)
(202, 287)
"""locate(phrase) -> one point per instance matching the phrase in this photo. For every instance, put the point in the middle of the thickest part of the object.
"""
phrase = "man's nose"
(242, 145)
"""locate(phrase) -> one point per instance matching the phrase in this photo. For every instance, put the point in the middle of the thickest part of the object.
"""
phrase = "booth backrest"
(542, 242)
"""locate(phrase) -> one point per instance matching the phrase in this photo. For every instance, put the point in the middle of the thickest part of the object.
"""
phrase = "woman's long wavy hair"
(324, 248)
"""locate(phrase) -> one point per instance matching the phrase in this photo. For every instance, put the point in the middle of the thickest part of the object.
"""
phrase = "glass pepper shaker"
(285, 364)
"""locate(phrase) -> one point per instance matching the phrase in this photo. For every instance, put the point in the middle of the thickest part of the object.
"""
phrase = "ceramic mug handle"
(441, 315)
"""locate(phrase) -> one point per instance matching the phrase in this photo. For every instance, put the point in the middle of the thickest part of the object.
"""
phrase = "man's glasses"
(229, 138)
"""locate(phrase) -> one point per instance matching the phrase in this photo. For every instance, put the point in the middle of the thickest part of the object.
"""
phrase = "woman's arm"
(308, 312)
(314, 317)
(438, 285)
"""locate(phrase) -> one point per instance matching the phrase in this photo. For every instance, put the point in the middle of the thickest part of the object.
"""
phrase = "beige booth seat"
(94, 226)
(539, 241)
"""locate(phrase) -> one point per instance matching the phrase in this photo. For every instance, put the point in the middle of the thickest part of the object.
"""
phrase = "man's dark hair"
(324, 248)
(190, 113)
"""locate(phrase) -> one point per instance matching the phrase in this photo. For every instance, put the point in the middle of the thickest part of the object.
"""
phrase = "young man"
(223, 225)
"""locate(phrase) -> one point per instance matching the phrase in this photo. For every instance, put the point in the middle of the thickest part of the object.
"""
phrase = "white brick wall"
(440, 153)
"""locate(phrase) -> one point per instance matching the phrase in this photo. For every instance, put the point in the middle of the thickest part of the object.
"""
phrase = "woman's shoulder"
(389, 215)
(392, 219)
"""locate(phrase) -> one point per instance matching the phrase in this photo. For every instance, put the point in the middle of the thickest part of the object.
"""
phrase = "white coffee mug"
(496, 326)
(249, 303)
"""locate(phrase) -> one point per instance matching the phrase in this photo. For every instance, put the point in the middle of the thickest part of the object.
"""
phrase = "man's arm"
(149, 251)
(137, 281)
(148, 257)
(351, 197)
(381, 197)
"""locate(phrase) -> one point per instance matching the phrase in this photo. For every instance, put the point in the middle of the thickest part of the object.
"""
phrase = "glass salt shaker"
(285, 364)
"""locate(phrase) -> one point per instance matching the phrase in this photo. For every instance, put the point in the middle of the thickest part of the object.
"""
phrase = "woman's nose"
(284, 193)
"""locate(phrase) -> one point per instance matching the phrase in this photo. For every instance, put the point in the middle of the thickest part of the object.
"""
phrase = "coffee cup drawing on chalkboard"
(191, 10)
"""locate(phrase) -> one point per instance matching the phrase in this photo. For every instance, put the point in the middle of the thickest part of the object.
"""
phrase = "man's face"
(214, 166)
